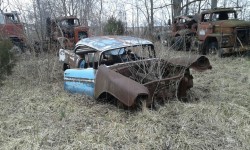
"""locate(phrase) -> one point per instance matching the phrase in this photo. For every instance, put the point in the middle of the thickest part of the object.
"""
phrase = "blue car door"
(80, 81)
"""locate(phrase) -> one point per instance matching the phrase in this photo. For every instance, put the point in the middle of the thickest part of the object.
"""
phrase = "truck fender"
(208, 40)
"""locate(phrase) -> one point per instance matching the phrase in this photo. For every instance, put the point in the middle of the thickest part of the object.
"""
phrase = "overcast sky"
(124, 11)
(112, 7)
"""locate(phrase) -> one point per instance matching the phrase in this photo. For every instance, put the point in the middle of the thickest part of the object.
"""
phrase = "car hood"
(233, 23)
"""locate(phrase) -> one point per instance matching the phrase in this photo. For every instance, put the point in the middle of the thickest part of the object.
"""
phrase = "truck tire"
(213, 49)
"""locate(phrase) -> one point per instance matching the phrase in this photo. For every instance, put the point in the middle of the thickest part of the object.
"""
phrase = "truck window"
(223, 16)
(215, 17)
(11, 18)
(2, 21)
(205, 17)
(91, 60)
(232, 15)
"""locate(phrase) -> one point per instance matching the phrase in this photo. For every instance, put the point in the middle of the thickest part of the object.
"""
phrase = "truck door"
(204, 26)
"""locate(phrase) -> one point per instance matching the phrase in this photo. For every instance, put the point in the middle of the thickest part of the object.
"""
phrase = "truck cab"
(12, 28)
(68, 27)
(221, 32)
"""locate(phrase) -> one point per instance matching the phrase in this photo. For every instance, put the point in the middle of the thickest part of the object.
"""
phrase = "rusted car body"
(68, 27)
(184, 25)
(221, 32)
(182, 30)
(12, 28)
(134, 73)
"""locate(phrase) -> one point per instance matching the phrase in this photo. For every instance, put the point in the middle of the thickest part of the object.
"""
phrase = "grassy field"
(36, 113)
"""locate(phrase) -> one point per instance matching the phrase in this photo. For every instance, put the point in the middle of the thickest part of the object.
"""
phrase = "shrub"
(6, 58)
(114, 27)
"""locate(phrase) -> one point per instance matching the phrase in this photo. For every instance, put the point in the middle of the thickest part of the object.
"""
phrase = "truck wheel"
(213, 49)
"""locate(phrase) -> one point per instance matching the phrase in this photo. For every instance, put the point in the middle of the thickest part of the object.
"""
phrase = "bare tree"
(214, 3)
(3, 4)
(150, 15)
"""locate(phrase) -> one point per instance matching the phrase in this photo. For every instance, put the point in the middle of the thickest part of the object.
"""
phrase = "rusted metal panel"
(156, 78)
(198, 63)
(103, 43)
(119, 86)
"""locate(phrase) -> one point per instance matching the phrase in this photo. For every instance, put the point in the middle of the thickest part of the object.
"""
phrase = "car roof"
(104, 43)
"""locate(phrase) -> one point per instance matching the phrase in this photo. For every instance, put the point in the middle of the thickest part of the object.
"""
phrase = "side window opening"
(90, 60)
(205, 17)
(223, 16)
(2, 19)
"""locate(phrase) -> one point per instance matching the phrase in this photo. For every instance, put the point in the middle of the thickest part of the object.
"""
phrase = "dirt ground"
(36, 112)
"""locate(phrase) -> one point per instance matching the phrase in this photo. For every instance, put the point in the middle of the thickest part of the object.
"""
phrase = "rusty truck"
(182, 30)
(66, 28)
(218, 32)
(12, 28)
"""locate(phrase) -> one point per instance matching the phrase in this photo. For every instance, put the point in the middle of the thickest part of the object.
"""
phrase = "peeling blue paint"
(103, 43)
(80, 81)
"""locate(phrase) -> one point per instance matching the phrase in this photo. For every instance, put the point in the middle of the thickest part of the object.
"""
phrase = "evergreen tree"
(114, 27)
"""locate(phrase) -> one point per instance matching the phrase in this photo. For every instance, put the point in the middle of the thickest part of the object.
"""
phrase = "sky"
(123, 11)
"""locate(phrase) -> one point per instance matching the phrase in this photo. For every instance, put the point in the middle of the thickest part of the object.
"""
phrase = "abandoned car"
(127, 69)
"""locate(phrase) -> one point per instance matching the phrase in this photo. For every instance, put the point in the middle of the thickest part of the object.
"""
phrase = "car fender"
(124, 89)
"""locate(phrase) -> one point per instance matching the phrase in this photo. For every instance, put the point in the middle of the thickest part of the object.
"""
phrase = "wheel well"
(105, 95)
(209, 40)
(108, 98)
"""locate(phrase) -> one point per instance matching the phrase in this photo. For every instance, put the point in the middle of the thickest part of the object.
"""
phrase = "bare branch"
(181, 7)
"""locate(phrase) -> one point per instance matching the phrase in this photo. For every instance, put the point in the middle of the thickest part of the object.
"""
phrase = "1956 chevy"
(127, 69)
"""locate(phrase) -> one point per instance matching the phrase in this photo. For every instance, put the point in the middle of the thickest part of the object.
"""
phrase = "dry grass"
(36, 113)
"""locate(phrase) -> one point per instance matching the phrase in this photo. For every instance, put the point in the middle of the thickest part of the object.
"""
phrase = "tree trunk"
(64, 7)
(176, 8)
(100, 17)
(151, 25)
(213, 4)
(199, 8)
(187, 8)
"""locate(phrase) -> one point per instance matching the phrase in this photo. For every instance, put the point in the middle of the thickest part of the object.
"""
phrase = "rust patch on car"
(154, 79)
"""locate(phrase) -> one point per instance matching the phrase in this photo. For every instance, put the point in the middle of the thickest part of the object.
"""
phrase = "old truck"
(12, 28)
(68, 27)
(219, 32)
(182, 30)
(127, 69)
